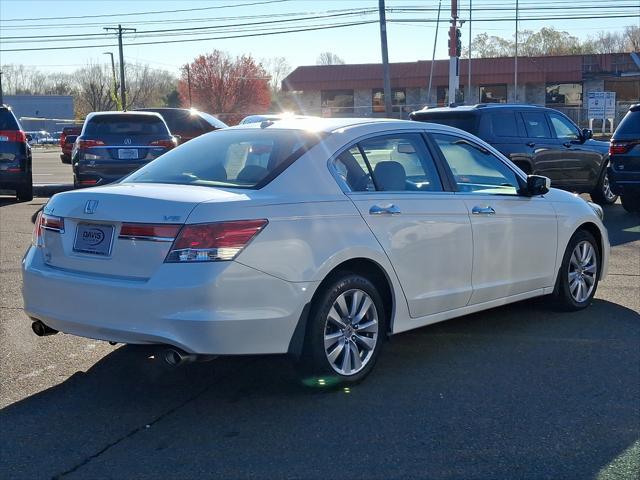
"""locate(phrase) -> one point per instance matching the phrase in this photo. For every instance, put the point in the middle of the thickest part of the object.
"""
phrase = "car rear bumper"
(624, 182)
(13, 181)
(221, 308)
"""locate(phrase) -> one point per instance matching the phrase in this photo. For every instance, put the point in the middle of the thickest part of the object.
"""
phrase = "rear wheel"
(603, 194)
(631, 203)
(579, 272)
(345, 331)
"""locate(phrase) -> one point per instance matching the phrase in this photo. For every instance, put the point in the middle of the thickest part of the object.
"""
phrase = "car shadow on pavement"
(623, 227)
(514, 392)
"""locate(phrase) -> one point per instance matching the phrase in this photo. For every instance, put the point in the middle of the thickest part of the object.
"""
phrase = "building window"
(442, 94)
(336, 103)
(398, 99)
(627, 90)
(564, 94)
(493, 94)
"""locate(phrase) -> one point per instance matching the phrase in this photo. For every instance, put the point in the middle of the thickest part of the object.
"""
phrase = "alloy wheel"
(583, 268)
(606, 189)
(351, 332)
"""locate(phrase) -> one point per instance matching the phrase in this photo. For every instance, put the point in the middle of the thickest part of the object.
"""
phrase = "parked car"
(15, 156)
(187, 123)
(539, 140)
(274, 117)
(624, 151)
(67, 139)
(114, 144)
(349, 230)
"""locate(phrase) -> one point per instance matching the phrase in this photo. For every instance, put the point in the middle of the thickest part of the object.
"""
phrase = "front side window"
(230, 158)
(493, 93)
(476, 169)
(390, 163)
(398, 99)
(536, 125)
(336, 103)
(564, 129)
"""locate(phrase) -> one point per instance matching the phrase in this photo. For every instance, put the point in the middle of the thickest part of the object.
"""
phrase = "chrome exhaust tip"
(176, 357)
(41, 330)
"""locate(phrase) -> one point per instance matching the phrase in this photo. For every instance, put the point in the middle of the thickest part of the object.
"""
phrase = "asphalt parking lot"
(515, 392)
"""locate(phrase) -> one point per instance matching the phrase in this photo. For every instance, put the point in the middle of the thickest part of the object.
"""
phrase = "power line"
(219, 7)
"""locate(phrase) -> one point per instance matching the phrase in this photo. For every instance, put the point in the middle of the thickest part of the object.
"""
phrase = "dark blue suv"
(114, 144)
(539, 140)
(624, 151)
(15, 157)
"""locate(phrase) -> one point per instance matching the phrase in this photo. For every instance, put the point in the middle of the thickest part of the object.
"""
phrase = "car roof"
(476, 108)
(128, 112)
(326, 125)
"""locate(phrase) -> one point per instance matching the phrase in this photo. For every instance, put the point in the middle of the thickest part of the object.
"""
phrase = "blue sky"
(357, 44)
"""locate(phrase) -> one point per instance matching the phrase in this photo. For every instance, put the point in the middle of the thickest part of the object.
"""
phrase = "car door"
(547, 154)
(514, 236)
(425, 231)
(581, 166)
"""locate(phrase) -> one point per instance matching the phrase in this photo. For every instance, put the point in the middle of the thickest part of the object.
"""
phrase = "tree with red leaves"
(226, 87)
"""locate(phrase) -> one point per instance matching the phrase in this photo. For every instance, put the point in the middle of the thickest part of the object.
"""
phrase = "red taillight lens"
(13, 136)
(83, 144)
(88, 182)
(63, 136)
(168, 144)
(211, 242)
(46, 222)
(145, 231)
(617, 148)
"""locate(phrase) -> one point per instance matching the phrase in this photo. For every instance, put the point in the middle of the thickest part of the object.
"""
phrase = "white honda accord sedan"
(314, 237)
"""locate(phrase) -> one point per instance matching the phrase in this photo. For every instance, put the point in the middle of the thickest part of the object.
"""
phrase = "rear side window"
(468, 123)
(231, 158)
(536, 125)
(125, 125)
(630, 125)
(503, 124)
(8, 121)
(213, 121)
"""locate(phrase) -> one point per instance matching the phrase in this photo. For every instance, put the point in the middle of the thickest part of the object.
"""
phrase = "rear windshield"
(629, 126)
(125, 125)
(229, 158)
(8, 121)
(468, 123)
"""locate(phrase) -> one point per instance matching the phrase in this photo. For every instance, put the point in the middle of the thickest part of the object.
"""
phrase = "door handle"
(531, 144)
(568, 144)
(483, 210)
(390, 209)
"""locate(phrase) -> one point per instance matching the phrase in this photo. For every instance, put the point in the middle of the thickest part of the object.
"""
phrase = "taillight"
(13, 136)
(84, 144)
(168, 144)
(46, 222)
(63, 137)
(212, 242)
(617, 148)
(146, 231)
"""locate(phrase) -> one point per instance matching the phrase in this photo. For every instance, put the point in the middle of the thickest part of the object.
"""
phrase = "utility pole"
(115, 82)
(433, 56)
(469, 65)
(388, 107)
(454, 80)
(515, 65)
(1, 97)
(188, 69)
(120, 30)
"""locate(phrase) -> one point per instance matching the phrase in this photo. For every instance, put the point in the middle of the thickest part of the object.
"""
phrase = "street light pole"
(388, 108)
(188, 69)
(115, 82)
(120, 30)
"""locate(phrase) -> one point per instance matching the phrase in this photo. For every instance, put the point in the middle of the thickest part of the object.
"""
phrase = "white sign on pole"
(601, 105)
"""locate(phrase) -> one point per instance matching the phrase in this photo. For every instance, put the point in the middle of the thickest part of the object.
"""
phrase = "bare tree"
(632, 33)
(329, 58)
(277, 68)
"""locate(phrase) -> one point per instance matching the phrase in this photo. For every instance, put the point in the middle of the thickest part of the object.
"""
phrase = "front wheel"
(603, 195)
(579, 272)
(345, 331)
(631, 203)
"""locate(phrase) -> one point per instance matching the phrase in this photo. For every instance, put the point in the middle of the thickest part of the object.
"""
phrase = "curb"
(50, 189)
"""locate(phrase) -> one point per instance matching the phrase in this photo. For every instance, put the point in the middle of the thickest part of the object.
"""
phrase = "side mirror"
(537, 185)
(178, 139)
(586, 134)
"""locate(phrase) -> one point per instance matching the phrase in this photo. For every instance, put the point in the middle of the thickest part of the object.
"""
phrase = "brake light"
(168, 144)
(46, 222)
(211, 242)
(145, 231)
(14, 136)
(88, 182)
(84, 144)
(617, 148)
(63, 137)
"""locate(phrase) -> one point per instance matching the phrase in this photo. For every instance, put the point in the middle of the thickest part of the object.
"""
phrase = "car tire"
(338, 348)
(25, 193)
(603, 195)
(579, 273)
(631, 203)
